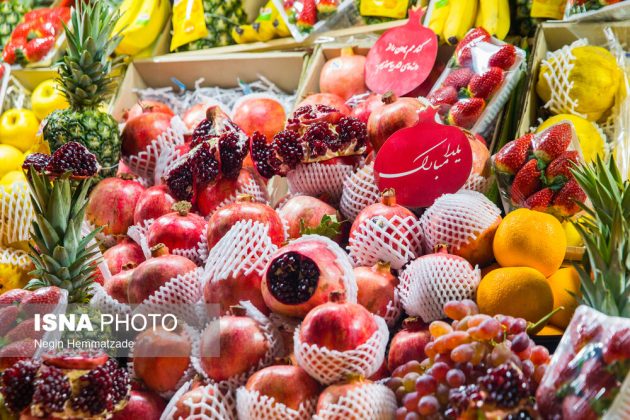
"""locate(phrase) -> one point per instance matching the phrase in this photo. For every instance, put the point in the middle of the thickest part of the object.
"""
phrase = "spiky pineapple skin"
(221, 17)
(96, 130)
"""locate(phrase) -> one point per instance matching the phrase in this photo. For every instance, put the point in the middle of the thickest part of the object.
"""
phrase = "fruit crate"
(21, 84)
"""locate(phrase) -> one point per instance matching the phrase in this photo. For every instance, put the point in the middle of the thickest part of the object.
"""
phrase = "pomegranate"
(190, 405)
(265, 115)
(152, 274)
(338, 325)
(177, 230)
(240, 346)
(153, 203)
(408, 343)
(225, 190)
(301, 276)
(142, 404)
(327, 99)
(244, 208)
(305, 212)
(123, 168)
(344, 76)
(142, 130)
(146, 106)
(286, 384)
(377, 286)
(194, 115)
(481, 155)
(397, 113)
(234, 289)
(118, 284)
(365, 108)
(161, 357)
(381, 373)
(112, 202)
(333, 393)
(121, 254)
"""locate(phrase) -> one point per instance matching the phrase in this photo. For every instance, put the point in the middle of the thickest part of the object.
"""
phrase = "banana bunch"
(141, 23)
(452, 19)
(267, 26)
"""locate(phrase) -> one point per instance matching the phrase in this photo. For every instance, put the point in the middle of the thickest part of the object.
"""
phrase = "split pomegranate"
(232, 290)
(146, 106)
(305, 212)
(338, 325)
(377, 286)
(177, 230)
(344, 75)
(239, 347)
(142, 404)
(301, 276)
(244, 208)
(333, 393)
(122, 254)
(139, 132)
(286, 384)
(153, 203)
(255, 113)
(161, 357)
(225, 189)
(112, 203)
(118, 285)
(396, 114)
(365, 108)
(408, 343)
(327, 99)
(155, 272)
(194, 115)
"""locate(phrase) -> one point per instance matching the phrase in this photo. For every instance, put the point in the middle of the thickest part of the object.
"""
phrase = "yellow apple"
(18, 128)
(47, 98)
(11, 159)
(12, 178)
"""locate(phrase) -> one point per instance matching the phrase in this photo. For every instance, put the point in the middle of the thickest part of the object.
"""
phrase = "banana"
(128, 11)
(504, 19)
(282, 30)
(439, 14)
(265, 31)
(244, 34)
(145, 28)
(489, 13)
(461, 18)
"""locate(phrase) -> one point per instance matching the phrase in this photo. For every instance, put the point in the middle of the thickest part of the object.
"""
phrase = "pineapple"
(605, 277)
(85, 76)
(11, 13)
(221, 17)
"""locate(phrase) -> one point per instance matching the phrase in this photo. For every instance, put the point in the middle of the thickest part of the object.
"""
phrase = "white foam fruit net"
(394, 310)
(15, 257)
(252, 188)
(102, 301)
(397, 241)
(211, 407)
(359, 191)
(431, 281)
(251, 405)
(369, 401)
(456, 219)
(330, 366)
(315, 179)
(144, 163)
(476, 182)
(16, 213)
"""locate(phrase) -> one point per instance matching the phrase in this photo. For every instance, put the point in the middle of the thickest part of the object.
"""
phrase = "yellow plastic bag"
(188, 22)
(396, 9)
(552, 9)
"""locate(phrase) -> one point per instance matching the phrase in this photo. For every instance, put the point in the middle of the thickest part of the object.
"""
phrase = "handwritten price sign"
(402, 58)
(423, 162)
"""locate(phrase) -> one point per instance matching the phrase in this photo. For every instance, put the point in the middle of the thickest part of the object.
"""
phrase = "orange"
(516, 291)
(528, 238)
(562, 282)
(550, 330)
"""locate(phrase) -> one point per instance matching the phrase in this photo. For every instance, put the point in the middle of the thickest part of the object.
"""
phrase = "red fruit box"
(478, 81)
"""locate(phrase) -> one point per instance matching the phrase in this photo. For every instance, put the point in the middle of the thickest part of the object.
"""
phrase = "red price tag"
(423, 162)
(402, 58)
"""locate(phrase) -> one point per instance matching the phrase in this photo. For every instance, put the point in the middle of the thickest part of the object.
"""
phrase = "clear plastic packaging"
(600, 11)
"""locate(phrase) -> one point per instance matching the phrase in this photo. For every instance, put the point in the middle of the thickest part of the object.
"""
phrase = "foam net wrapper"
(15, 257)
(477, 183)
(359, 191)
(212, 407)
(396, 241)
(250, 405)
(431, 281)
(102, 301)
(369, 401)
(252, 188)
(394, 310)
(315, 179)
(16, 213)
(330, 366)
(456, 219)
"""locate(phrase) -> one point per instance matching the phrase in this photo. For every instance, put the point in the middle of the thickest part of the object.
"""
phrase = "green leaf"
(329, 227)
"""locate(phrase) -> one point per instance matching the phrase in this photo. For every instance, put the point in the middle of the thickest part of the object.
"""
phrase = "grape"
(456, 310)
(444, 358)
(462, 353)
(540, 355)
(430, 350)
(425, 385)
(439, 370)
(525, 354)
(401, 413)
(410, 401)
(462, 325)
(400, 393)
(412, 416)
(500, 354)
(455, 378)
(450, 341)
(518, 325)
(528, 368)
(491, 328)
(475, 320)
(539, 373)
(409, 381)
(520, 342)
(394, 383)
(439, 328)
(442, 393)
(479, 352)
(428, 405)
(472, 306)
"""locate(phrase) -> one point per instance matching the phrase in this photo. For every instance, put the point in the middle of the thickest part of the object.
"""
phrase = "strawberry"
(485, 85)
(526, 182)
(327, 7)
(25, 329)
(36, 49)
(618, 346)
(14, 352)
(504, 58)
(552, 142)
(565, 202)
(458, 78)
(540, 200)
(308, 16)
(559, 170)
(463, 51)
(443, 98)
(41, 301)
(466, 112)
(513, 155)
(13, 296)
(8, 316)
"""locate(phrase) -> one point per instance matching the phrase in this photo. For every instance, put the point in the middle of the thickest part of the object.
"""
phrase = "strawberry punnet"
(552, 142)
(526, 182)
(504, 58)
(513, 155)
(463, 51)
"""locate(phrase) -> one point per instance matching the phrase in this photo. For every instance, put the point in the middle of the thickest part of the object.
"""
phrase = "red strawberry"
(8, 315)
(526, 182)
(463, 51)
(540, 200)
(41, 301)
(552, 142)
(13, 296)
(36, 49)
(443, 98)
(618, 347)
(504, 58)
(326, 7)
(559, 170)
(513, 155)
(565, 203)
(14, 352)
(458, 78)
(466, 112)
(308, 16)
(25, 329)
(485, 85)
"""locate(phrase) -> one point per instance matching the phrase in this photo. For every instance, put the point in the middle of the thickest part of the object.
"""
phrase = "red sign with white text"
(402, 58)
(424, 161)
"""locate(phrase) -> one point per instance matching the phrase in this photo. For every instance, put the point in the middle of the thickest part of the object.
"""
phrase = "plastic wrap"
(600, 10)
